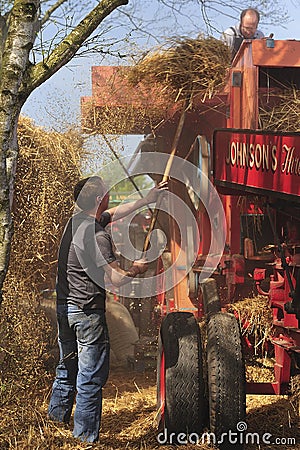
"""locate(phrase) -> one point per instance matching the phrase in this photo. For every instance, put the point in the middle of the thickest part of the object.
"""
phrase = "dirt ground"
(129, 404)
(129, 419)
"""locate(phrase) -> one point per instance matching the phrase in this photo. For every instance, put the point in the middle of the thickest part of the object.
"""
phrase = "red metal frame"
(237, 109)
(286, 338)
(257, 162)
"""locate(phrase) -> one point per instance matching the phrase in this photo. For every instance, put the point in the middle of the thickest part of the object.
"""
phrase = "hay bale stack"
(125, 119)
(185, 68)
(48, 167)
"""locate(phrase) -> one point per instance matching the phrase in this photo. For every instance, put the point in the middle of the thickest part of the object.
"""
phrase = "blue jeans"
(84, 365)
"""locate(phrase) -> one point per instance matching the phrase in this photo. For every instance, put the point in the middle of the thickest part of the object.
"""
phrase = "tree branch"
(65, 51)
(50, 11)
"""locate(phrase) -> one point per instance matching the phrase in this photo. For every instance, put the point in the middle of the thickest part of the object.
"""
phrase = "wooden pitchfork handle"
(165, 178)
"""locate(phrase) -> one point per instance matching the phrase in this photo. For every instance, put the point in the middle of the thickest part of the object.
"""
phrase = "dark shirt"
(84, 249)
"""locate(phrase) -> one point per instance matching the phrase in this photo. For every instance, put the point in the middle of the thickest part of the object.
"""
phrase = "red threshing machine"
(256, 173)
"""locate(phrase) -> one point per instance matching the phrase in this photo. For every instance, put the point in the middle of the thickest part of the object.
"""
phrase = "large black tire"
(181, 389)
(226, 379)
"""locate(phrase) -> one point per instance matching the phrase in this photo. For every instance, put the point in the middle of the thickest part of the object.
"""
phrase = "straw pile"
(255, 318)
(182, 70)
(284, 115)
(185, 68)
(129, 419)
(295, 393)
(48, 168)
(124, 119)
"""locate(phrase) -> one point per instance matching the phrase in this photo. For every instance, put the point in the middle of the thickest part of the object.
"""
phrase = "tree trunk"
(16, 47)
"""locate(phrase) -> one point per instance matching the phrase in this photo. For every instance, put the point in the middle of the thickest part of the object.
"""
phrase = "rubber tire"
(226, 376)
(211, 299)
(183, 408)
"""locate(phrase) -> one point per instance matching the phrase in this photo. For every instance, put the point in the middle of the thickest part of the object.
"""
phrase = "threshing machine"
(256, 173)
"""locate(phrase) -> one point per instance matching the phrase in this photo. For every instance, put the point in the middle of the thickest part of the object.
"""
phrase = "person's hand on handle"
(142, 265)
(138, 267)
(153, 195)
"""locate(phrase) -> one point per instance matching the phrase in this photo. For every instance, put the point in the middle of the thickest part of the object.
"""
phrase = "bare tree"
(19, 28)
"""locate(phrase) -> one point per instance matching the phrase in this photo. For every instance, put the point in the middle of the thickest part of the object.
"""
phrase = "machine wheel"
(181, 402)
(211, 300)
(226, 378)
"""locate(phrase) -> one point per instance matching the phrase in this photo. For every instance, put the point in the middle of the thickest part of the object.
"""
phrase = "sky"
(56, 103)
